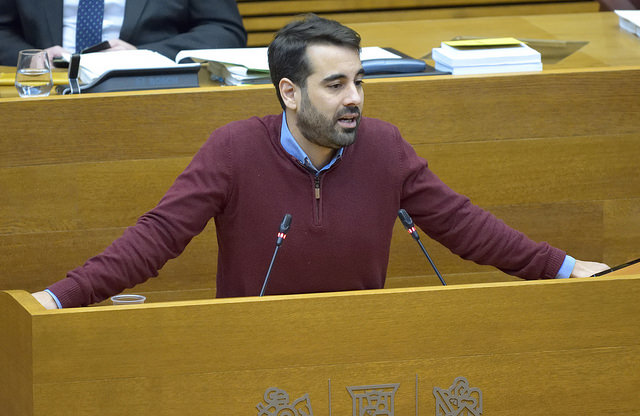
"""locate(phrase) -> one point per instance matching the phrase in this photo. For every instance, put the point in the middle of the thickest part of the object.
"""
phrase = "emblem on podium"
(276, 403)
(373, 400)
(458, 400)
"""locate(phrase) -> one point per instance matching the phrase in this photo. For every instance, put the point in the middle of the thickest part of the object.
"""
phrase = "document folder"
(183, 76)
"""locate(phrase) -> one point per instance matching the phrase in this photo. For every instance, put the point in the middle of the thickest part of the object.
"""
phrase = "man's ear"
(289, 93)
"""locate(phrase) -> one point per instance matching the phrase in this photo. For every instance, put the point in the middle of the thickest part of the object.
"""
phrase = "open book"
(95, 65)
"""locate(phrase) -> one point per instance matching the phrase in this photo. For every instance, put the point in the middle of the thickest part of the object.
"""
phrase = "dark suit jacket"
(165, 26)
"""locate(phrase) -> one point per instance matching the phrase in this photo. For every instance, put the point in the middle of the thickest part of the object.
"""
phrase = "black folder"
(183, 76)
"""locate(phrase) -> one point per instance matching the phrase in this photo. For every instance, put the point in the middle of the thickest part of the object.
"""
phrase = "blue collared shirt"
(293, 148)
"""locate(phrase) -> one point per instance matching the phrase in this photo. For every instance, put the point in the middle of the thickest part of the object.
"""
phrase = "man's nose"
(353, 96)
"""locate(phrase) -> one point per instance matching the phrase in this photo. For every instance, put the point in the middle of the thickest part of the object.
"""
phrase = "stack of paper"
(486, 56)
(232, 66)
(238, 66)
(629, 20)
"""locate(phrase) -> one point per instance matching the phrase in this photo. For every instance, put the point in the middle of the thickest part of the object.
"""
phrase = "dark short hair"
(287, 51)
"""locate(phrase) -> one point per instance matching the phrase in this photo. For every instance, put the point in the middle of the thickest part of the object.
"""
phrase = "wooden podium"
(563, 347)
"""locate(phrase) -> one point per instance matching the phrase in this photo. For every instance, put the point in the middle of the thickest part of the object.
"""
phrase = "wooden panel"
(508, 107)
(248, 7)
(539, 170)
(494, 107)
(16, 376)
(36, 260)
(426, 280)
(263, 18)
(74, 196)
(273, 22)
(528, 349)
(621, 231)
(150, 125)
(505, 391)
(492, 173)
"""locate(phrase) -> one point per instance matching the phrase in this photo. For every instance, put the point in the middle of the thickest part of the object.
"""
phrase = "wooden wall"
(554, 154)
(262, 18)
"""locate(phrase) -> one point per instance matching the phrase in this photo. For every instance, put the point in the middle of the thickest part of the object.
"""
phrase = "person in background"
(341, 176)
(610, 5)
(164, 26)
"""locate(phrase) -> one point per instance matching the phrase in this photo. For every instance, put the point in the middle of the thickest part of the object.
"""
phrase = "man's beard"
(323, 131)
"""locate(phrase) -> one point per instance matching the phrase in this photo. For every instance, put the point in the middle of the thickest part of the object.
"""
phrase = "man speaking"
(342, 177)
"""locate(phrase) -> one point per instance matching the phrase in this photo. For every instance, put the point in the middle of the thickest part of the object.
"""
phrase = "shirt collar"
(293, 148)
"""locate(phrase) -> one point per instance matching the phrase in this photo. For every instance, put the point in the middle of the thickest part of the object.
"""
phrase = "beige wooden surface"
(608, 45)
(633, 269)
(555, 154)
(532, 348)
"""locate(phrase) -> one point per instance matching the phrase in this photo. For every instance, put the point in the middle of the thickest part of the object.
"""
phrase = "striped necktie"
(89, 23)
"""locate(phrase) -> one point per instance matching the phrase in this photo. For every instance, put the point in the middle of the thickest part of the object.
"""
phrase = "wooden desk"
(532, 348)
(263, 18)
(555, 154)
(607, 46)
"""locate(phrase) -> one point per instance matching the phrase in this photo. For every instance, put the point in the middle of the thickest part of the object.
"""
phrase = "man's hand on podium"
(587, 268)
(45, 299)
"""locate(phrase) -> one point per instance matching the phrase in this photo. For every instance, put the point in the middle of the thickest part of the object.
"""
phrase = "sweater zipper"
(317, 198)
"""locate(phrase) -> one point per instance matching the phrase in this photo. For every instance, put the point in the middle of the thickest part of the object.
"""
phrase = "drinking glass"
(33, 75)
(127, 299)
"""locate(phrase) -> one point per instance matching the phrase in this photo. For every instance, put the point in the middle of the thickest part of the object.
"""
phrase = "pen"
(97, 47)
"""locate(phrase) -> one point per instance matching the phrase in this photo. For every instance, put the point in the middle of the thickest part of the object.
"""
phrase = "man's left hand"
(120, 45)
(587, 268)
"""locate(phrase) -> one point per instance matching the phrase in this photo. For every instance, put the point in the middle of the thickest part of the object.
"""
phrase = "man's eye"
(359, 82)
(335, 86)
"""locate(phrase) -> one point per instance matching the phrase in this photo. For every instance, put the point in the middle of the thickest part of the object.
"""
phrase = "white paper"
(629, 20)
(454, 57)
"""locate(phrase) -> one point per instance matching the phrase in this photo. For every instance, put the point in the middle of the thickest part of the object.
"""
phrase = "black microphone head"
(405, 219)
(285, 224)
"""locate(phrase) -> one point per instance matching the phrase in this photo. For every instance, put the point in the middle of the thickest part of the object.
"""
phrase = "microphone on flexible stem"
(282, 234)
(406, 220)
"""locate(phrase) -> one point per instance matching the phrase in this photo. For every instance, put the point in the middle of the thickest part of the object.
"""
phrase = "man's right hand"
(55, 52)
(45, 299)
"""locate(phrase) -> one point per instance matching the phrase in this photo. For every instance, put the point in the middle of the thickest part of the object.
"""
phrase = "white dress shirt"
(111, 25)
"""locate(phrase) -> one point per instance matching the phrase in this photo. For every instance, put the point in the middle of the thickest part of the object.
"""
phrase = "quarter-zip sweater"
(342, 220)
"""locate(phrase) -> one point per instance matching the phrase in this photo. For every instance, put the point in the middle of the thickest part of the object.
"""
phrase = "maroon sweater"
(341, 227)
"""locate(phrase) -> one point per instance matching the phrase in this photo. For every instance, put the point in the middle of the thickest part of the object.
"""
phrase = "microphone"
(406, 220)
(282, 234)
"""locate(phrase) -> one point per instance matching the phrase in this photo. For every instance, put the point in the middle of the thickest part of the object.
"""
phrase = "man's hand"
(45, 299)
(120, 45)
(55, 52)
(587, 268)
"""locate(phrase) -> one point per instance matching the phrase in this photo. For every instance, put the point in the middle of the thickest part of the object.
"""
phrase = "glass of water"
(33, 75)
(127, 299)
